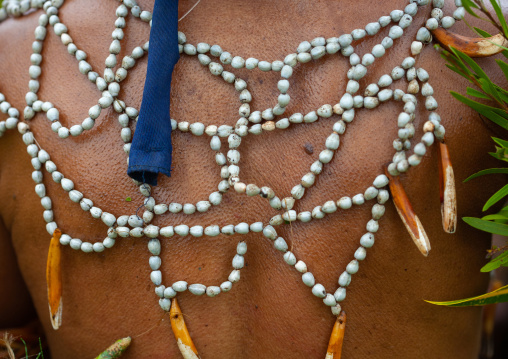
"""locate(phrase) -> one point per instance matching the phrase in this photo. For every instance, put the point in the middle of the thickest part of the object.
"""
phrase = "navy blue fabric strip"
(150, 152)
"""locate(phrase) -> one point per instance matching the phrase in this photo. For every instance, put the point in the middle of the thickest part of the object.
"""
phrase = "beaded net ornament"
(250, 123)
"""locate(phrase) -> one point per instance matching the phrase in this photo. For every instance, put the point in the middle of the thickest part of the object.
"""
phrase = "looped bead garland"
(250, 123)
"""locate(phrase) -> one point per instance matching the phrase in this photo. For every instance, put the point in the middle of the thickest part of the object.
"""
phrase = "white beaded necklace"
(250, 123)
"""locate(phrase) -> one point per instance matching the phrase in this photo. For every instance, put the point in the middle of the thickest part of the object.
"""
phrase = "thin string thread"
(188, 12)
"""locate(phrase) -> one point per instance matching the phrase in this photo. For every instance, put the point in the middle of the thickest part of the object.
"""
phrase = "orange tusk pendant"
(447, 190)
(471, 46)
(337, 338)
(54, 280)
(183, 338)
(116, 350)
(407, 214)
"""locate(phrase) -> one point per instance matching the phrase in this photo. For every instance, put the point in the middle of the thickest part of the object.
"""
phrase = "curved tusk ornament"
(116, 350)
(183, 338)
(337, 338)
(54, 280)
(407, 214)
(447, 190)
(471, 46)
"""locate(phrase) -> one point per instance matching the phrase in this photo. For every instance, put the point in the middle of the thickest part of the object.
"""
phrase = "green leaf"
(475, 93)
(497, 296)
(500, 142)
(500, 17)
(458, 62)
(500, 260)
(469, 6)
(481, 32)
(496, 197)
(504, 67)
(128, 199)
(474, 66)
(489, 88)
(497, 119)
(487, 172)
(490, 112)
(487, 226)
(495, 217)
(461, 73)
(500, 154)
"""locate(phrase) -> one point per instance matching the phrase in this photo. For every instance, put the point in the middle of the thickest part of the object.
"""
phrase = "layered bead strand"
(221, 63)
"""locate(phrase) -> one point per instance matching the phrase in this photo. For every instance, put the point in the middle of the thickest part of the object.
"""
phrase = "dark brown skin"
(269, 313)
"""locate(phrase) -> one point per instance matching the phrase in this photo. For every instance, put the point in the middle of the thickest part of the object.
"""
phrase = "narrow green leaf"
(490, 112)
(469, 6)
(460, 72)
(497, 296)
(495, 217)
(459, 61)
(501, 154)
(504, 67)
(487, 172)
(479, 107)
(500, 260)
(500, 17)
(500, 142)
(487, 226)
(481, 32)
(495, 91)
(475, 93)
(474, 66)
(496, 197)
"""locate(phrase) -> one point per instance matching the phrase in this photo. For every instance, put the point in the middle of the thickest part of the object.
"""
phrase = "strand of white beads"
(250, 122)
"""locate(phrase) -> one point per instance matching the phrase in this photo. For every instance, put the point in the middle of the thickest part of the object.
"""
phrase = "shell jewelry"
(251, 123)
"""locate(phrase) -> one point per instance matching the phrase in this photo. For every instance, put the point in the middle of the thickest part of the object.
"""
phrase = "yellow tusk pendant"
(54, 280)
(407, 214)
(183, 338)
(115, 350)
(337, 338)
(447, 190)
(471, 46)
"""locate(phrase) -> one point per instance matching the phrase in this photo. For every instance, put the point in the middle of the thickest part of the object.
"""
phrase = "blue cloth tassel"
(151, 148)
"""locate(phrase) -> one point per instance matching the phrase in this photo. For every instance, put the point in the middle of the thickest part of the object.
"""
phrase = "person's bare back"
(269, 313)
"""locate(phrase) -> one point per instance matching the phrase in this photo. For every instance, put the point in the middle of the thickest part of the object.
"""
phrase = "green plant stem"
(489, 15)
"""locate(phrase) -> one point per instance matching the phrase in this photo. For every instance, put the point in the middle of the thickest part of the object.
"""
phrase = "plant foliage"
(491, 101)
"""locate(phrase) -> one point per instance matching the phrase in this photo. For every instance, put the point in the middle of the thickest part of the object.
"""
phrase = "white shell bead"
(154, 262)
(87, 247)
(234, 276)
(289, 258)
(329, 300)
(318, 290)
(360, 254)
(165, 304)
(367, 240)
(308, 279)
(344, 279)
(180, 286)
(181, 230)
(197, 289)
(75, 243)
(169, 293)
(213, 291)
(301, 267)
(226, 286)
(340, 294)
(352, 267)
(154, 246)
